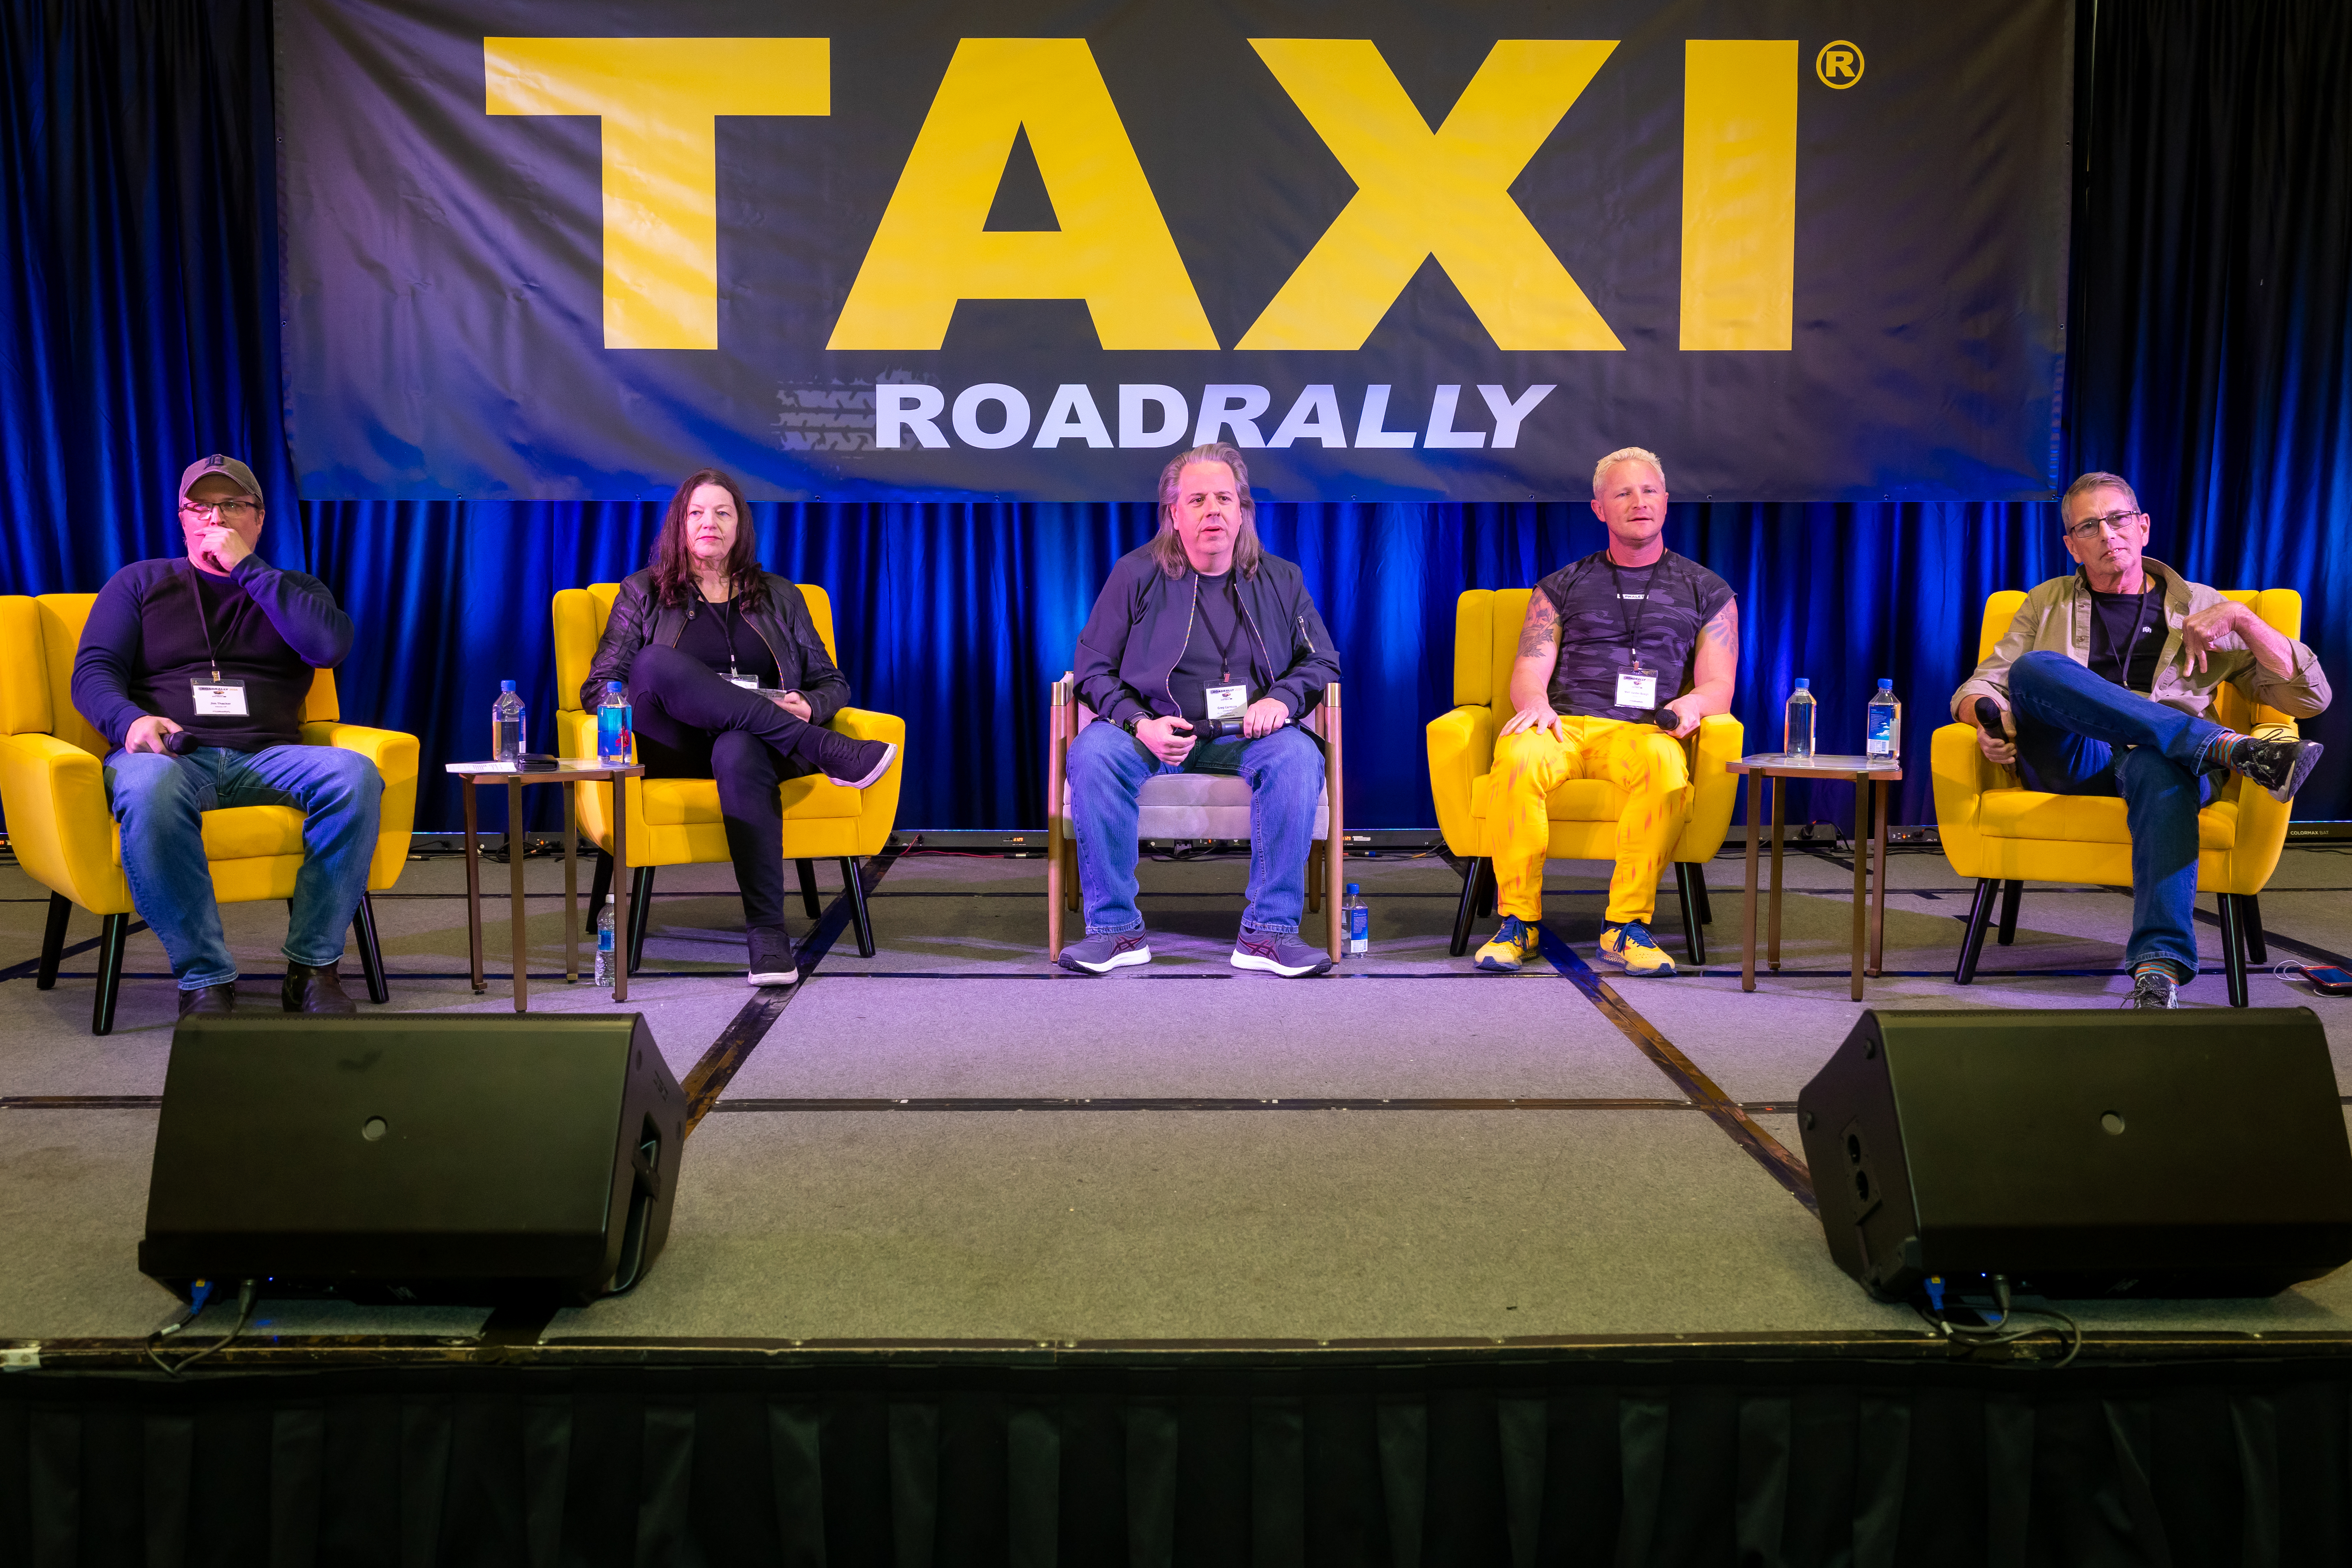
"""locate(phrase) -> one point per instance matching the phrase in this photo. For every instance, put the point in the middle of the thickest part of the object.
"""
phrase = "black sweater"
(144, 643)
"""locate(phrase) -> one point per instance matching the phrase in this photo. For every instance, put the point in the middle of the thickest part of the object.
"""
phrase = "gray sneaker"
(1106, 950)
(1278, 952)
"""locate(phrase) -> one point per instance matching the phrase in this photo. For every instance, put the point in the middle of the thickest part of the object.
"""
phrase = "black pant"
(694, 724)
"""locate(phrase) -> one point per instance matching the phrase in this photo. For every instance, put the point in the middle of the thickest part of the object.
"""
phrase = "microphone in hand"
(1988, 716)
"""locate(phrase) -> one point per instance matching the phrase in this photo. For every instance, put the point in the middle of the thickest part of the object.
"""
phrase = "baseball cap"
(229, 468)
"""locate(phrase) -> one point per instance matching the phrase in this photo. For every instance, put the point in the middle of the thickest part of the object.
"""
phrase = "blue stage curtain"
(2211, 362)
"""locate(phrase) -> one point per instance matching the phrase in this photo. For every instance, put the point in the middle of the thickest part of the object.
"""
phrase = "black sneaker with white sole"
(1278, 952)
(1106, 950)
(851, 764)
(2279, 766)
(773, 959)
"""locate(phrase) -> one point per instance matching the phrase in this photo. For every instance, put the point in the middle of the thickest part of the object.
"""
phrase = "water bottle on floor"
(612, 727)
(1798, 737)
(508, 724)
(1883, 723)
(1358, 920)
(604, 944)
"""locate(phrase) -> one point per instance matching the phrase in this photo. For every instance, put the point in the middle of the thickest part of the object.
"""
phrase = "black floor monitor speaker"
(420, 1156)
(2078, 1154)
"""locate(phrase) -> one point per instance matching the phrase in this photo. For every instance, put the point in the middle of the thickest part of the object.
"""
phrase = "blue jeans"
(2079, 733)
(1285, 771)
(159, 801)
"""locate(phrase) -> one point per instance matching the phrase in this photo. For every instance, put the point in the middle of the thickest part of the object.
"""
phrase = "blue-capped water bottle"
(1883, 727)
(1357, 920)
(613, 727)
(510, 725)
(1798, 737)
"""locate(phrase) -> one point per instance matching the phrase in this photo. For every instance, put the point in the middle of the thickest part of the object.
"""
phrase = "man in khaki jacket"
(2104, 685)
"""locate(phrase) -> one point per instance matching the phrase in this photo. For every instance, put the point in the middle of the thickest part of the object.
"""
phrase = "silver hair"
(2095, 481)
(1627, 454)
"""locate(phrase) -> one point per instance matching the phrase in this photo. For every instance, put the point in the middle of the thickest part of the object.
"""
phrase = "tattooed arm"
(1531, 672)
(1713, 666)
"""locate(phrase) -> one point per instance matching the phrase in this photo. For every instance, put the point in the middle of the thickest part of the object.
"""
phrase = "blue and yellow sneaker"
(1632, 946)
(1514, 946)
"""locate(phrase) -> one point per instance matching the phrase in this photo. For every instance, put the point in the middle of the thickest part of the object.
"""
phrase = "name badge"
(748, 682)
(1636, 691)
(1227, 702)
(219, 699)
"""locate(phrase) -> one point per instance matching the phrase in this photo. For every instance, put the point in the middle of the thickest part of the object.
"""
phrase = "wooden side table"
(1869, 775)
(569, 771)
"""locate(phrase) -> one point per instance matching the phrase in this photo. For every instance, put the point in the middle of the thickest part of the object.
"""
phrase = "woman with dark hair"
(730, 681)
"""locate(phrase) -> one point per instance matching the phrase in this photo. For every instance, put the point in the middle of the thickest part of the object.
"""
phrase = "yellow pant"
(1643, 760)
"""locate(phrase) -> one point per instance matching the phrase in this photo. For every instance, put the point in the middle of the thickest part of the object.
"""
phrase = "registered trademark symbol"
(1839, 64)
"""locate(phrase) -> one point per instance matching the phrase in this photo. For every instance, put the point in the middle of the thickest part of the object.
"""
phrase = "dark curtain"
(2212, 364)
(1285, 1466)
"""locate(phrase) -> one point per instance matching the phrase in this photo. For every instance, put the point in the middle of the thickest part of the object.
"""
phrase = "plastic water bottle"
(1358, 917)
(510, 725)
(1798, 738)
(1884, 726)
(604, 944)
(613, 726)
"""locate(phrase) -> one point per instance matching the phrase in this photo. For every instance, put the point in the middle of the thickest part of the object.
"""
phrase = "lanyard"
(726, 622)
(1225, 645)
(1633, 623)
(210, 651)
(2139, 615)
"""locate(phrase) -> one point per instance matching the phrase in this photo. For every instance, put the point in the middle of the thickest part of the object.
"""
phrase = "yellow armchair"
(2001, 834)
(676, 822)
(53, 787)
(1583, 812)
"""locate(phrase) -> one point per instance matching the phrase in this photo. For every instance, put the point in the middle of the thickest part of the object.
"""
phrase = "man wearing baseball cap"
(196, 668)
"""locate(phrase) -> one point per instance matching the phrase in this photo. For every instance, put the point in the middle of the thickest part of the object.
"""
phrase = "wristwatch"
(1131, 721)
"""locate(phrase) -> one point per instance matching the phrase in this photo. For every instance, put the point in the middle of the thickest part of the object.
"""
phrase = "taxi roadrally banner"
(1805, 249)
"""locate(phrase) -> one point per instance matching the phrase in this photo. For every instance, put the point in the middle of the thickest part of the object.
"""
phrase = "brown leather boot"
(211, 999)
(315, 988)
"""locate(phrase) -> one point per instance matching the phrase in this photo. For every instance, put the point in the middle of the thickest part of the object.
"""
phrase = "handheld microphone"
(1988, 715)
(1215, 729)
(179, 742)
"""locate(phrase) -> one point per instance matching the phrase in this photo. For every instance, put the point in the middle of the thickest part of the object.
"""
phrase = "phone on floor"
(2328, 980)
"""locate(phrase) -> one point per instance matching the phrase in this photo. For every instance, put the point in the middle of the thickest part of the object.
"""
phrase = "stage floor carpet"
(952, 1145)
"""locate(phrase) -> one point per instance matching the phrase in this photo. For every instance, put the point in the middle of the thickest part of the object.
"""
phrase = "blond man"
(1624, 652)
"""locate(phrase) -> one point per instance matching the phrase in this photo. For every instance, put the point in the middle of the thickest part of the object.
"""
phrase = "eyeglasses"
(227, 511)
(2091, 527)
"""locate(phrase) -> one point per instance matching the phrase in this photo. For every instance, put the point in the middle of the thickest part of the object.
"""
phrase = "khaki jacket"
(2056, 619)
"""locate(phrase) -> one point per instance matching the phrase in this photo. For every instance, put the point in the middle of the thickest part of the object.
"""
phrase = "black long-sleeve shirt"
(145, 642)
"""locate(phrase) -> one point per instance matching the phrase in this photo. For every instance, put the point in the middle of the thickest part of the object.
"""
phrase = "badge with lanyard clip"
(1229, 700)
(734, 677)
(1636, 688)
(218, 698)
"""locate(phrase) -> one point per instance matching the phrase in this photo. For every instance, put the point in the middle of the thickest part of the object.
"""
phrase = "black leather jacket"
(802, 663)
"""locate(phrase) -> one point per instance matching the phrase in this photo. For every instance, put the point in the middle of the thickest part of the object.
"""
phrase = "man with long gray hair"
(1203, 652)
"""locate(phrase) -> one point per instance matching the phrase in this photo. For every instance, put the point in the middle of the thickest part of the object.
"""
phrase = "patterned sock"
(2163, 966)
(2221, 751)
